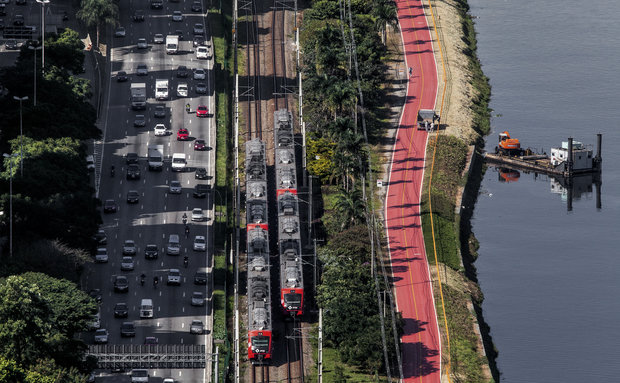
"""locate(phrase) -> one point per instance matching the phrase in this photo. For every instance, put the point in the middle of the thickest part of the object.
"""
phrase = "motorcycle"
(185, 261)
(142, 279)
(186, 231)
(184, 219)
(112, 171)
(155, 282)
(187, 108)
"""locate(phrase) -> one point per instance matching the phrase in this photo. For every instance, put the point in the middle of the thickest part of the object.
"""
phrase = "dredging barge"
(572, 158)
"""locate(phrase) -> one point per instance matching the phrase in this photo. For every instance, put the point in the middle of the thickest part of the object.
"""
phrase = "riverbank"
(456, 171)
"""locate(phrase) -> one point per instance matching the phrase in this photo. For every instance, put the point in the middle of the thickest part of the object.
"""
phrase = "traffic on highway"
(154, 171)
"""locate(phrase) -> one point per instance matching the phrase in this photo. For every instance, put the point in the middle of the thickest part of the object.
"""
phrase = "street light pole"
(21, 134)
(35, 71)
(43, 3)
(10, 201)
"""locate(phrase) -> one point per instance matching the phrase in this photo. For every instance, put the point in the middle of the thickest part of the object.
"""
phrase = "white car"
(90, 162)
(200, 244)
(196, 327)
(96, 322)
(101, 256)
(199, 74)
(182, 89)
(168, 380)
(175, 187)
(160, 130)
(174, 277)
(158, 38)
(142, 44)
(202, 52)
(101, 336)
(177, 16)
(129, 247)
(127, 264)
(197, 214)
(120, 32)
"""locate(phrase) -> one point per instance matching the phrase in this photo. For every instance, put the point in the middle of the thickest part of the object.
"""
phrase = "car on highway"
(121, 284)
(200, 278)
(196, 6)
(182, 135)
(151, 251)
(200, 145)
(177, 16)
(142, 44)
(202, 52)
(2, 9)
(110, 206)
(179, 33)
(200, 174)
(174, 277)
(139, 376)
(196, 327)
(198, 299)
(198, 40)
(201, 88)
(168, 380)
(131, 158)
(160, 111)
(96, 295)
(138, 15)
(160, 130)
(101, 255)
(174, 245)
(200, 190)
(199, 29)
(199, 74)
(133, 172)
(175, 187)
(133, 196)
(157, 4)
(129, 247)
(20, 2)
(90, 162)
(120, 32)
(182, 71)
(95, 323)
(121, 76)
(139, 121)
(151, 340)
(182, 89)
(200, 244)
(142, 70)
(197, 214)
(11, 44)
(158, 38)
(18, 20)
(101, 336)
(127, 264)
(202, 111)
(121, 310)
(128, 329)
(100, 238)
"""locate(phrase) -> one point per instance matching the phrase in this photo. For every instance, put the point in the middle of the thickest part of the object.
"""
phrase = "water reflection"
(583, 186)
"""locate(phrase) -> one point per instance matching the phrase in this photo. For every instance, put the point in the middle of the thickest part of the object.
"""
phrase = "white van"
(139, 376)
(174, 245)
(146, 308)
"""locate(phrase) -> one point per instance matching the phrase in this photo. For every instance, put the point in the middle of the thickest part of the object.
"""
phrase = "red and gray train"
(259, 279)
(289, 236)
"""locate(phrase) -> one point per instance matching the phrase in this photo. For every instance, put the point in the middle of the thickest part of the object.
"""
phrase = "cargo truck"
(172, 44)
(156, 157)
(138, 96)
(161, 89)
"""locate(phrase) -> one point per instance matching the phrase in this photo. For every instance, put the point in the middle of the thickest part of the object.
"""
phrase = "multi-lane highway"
(158, 213)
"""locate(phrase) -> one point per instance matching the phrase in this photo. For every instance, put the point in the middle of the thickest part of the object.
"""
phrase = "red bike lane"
(421, 348)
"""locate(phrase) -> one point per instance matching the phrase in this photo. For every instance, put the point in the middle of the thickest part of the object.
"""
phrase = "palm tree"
(350, 207)
(96, 12)
(341, 95)
(385, 14)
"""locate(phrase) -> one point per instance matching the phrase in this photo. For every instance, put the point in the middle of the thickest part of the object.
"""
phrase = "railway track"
(260, 373)
(294, 352)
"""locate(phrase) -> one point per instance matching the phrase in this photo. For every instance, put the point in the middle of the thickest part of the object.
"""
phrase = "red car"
(200, 145)
(182, 134)
(202, 111)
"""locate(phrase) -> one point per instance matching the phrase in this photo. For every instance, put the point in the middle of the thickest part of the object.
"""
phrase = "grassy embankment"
(220, 22)
(453, 240)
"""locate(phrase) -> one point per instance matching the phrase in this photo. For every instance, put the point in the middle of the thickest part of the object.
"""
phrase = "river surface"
(550, 275)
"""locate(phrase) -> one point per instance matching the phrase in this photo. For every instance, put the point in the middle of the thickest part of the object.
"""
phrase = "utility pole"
(320, 361)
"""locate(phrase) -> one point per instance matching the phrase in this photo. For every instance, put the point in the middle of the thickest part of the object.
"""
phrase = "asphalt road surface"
(158, 213)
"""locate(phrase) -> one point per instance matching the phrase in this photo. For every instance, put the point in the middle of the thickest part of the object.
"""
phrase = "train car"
(257, 245)
(289, 237)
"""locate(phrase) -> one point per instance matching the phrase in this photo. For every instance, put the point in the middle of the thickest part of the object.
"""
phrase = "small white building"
(582, 156)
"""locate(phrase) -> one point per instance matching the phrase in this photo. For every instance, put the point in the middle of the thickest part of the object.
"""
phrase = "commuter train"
(258, 278)
(289, 236)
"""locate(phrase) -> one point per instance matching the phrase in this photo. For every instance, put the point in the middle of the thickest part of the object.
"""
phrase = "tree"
(66, 51)
(350, 207)
(97, 12)
(341, 94)
(384, 12)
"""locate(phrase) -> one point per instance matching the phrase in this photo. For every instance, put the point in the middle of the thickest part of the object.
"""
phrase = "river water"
(550, 275)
